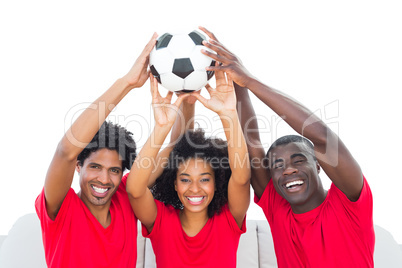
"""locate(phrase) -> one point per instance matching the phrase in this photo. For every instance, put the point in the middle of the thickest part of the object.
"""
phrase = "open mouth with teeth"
(195, 200)
(294, 185)
(99, 191)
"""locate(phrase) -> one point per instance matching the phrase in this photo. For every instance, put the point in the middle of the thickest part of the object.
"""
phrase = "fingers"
(219, 73)
(180, 99)
(169, 96)
(154, 88)
(209, 88)
(210, 34)
(148, 48)
(229, 80)
(200, 98)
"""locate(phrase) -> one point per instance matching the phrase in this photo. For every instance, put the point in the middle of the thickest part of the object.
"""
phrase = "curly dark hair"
(113, 137)
(194, 145)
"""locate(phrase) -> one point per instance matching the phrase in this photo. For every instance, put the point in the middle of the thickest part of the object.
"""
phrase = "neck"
(315, 201)
(192, 223)
(100, 212)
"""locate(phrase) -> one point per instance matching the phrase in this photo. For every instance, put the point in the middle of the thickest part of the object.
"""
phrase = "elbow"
(134, 191)
(242, 177)
(320, 134)
(66, 151)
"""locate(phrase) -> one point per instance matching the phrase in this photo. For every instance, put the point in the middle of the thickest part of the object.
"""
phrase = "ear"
(78, 167)
(318, 167)
(175, 185)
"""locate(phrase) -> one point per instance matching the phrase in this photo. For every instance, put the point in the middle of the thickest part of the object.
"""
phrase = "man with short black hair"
(95, 227)
(311, 227)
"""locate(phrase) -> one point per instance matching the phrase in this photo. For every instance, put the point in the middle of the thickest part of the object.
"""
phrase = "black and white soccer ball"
(178, 64)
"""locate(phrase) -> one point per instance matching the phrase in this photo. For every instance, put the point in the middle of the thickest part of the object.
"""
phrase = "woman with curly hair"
(196, 213)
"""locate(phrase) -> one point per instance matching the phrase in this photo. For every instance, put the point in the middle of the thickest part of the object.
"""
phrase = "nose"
(104, 177)
(289, 170)
(194, 187)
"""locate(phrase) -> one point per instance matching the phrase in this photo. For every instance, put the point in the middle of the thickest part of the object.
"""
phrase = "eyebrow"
(278, 160)
(99, 165)
(297, 155)
(186, 174)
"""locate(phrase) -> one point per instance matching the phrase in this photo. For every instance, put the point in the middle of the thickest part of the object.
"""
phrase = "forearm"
(301, 119)
(88, 123)
(145, 162)
(184, 121)
(248, 119)
(237, 148)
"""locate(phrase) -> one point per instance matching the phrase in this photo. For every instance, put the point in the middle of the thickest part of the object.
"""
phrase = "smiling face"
(195, 185)
(294, 173)
(100, 176)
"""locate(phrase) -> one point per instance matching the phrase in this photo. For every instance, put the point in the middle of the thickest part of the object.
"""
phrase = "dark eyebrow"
(99, 165)
(297, 155)
(277, 160)
(205, 173)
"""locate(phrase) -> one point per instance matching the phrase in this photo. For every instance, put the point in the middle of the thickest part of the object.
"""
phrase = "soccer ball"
(178, 64)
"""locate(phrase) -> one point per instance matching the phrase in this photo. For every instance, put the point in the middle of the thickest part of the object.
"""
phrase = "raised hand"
(138, 74)
(165, 112)
(230, 63)
(222, 98)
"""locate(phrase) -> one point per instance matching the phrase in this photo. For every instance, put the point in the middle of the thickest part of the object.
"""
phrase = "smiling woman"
(195, 213)
(192, 156)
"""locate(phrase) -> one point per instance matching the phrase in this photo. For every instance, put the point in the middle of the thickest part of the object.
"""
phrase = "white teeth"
(99, 190)
(292, 183)
(195, 199)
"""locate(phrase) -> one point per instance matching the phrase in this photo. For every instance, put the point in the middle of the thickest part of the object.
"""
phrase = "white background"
(342, 59)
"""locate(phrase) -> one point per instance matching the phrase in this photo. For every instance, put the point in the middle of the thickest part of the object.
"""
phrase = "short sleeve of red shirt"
(214, 246)
(76, 239)
(338, 233)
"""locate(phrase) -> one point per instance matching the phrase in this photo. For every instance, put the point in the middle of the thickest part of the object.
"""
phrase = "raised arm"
(184, 121)
(260, 175)
(331, 153)
(223, 102)
(61, 170)
(140, 196)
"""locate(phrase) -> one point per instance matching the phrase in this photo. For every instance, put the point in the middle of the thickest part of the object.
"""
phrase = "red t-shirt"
(76, 238)
(338, 233)
(214, 246)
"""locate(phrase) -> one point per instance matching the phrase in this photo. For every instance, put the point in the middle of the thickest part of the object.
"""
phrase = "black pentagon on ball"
(182, 67)
(155, 73)
(163, 41)
(197, 38)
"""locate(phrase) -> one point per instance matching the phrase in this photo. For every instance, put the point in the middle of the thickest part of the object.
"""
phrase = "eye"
(205, 179)
(278, 165)
(299, 160)
(115, 170)
(184, 180)
(94, 166)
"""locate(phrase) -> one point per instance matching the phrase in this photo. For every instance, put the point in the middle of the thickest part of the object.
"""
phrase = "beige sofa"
(23, 247)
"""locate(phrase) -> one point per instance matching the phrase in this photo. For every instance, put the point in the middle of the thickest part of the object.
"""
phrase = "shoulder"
(68, 206)
(226, 218)
(364, 197)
